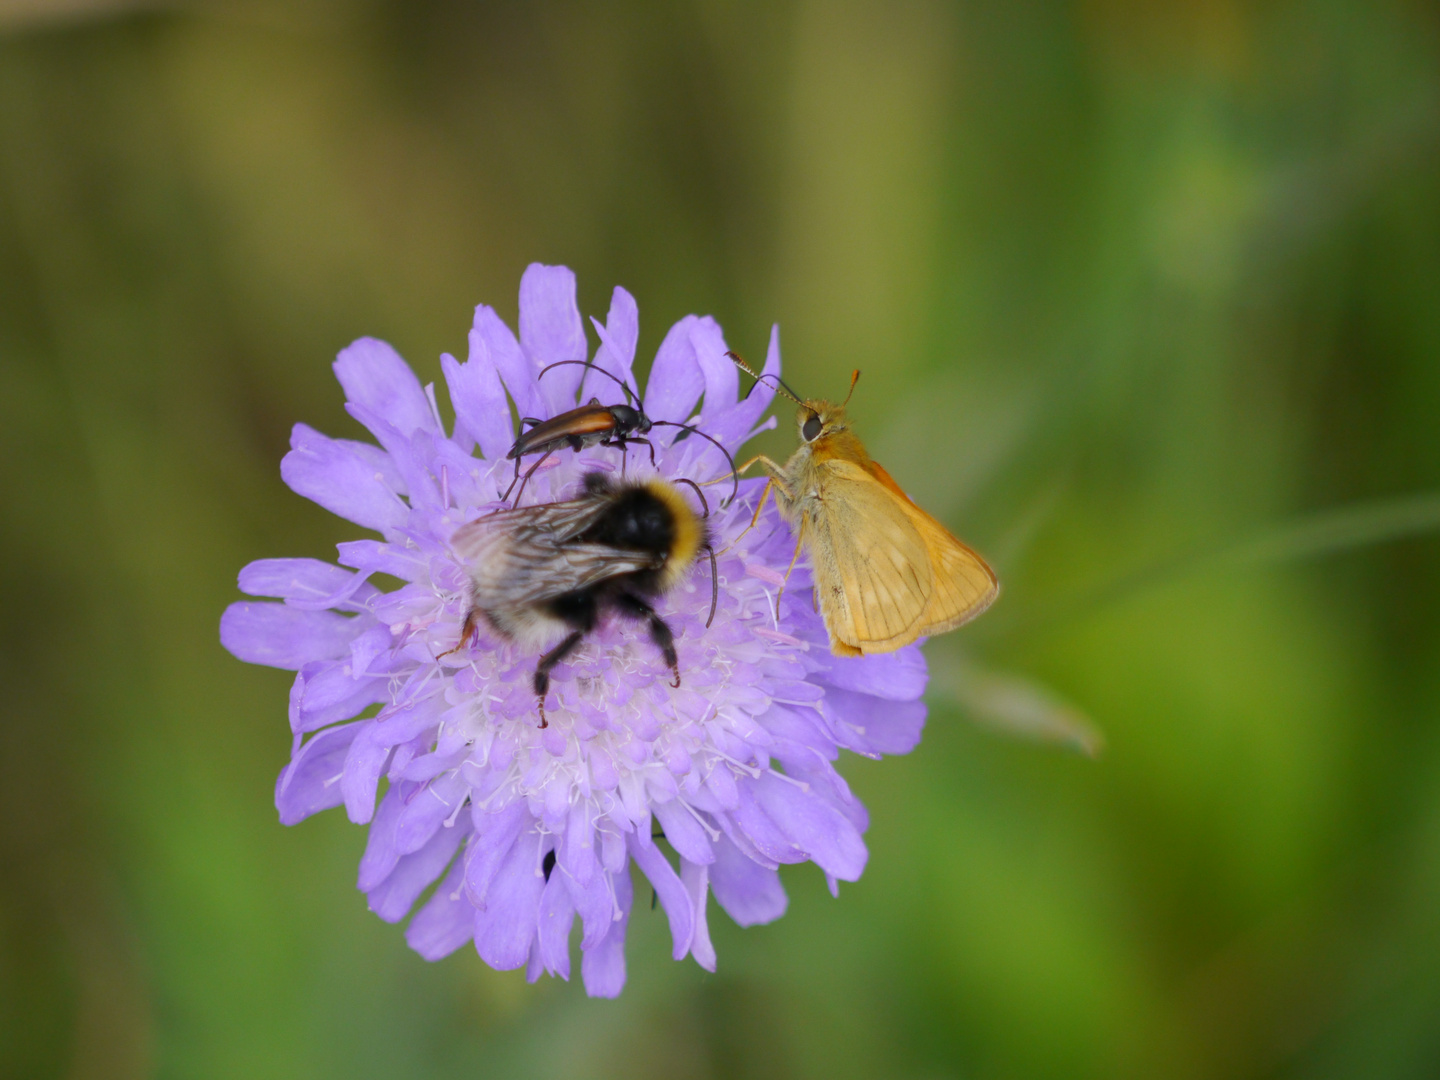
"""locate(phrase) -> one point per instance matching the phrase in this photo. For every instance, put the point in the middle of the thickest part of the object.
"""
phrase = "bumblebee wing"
(873, 578)
(519, 558)
(520, 571)
(560, 521)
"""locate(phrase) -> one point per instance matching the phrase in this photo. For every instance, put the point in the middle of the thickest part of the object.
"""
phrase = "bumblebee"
(540, 571)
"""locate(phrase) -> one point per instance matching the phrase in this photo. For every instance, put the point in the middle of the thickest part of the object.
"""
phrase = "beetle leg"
(514, 480)
(529, 473)
(651, 446)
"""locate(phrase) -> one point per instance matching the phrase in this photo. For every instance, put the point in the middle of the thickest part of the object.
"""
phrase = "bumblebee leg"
(547, 663)
(660, 632)
(469, 631)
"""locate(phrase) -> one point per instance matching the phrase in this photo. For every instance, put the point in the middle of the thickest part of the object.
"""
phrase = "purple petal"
(898, 676)
(616, 353)
(817, 827)
(324, 693)
(769, 839)
(372, 747)
(510, 361)
(496, 836)
(603, 966)
(685, 834)
(286, 637)
(415, 873)
(557, 916)
(825, 783)
(577, 850)
(802, 726)
(306, 583)
(374, 375)
(506, 926)
(381, 855)
(750, 893)
(733, 425)
(410, 455)
(551, 331)
(368, 647)
(696, 880)
(722, 377)
(427, 809)
(592, 902)
(672, 893)
(329, 473)
(310, 783)
(871, 725)
(447, 920)
(375, 557)
(676, 382)
(479, 399)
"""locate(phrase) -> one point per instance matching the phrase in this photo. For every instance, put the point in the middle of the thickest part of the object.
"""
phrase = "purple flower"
(527, 829)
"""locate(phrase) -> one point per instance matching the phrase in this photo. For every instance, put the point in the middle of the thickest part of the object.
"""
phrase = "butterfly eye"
(811, 428)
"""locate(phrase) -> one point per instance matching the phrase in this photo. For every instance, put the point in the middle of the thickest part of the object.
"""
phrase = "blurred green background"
(1138, 290)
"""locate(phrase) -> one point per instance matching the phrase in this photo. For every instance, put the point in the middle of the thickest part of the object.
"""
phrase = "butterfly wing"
(873, 578)
(886, 572)
(964, 584)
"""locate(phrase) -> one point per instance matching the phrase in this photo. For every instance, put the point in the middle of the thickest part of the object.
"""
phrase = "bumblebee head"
(683, 530)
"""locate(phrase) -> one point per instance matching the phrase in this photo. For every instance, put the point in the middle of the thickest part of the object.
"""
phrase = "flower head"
(525, 829)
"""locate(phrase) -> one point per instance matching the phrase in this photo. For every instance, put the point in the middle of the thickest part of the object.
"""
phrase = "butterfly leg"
(547, 664)
(776, 480)
(660, 632)
(799, 541)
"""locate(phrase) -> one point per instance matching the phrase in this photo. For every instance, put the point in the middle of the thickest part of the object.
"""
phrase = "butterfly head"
(818, 419)
(815, 419)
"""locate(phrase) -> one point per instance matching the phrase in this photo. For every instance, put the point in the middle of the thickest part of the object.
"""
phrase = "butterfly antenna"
(854, 378)
(691, 429)
(588, 366)
(781, 384)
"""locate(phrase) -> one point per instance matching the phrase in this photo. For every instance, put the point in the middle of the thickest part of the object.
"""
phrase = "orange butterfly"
(885, 572)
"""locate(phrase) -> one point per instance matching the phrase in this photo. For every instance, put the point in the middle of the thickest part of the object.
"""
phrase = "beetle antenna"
(588, 366)
(781, 384)
(854, 378)
(692, 429)
(696, 487)
(714, 587)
